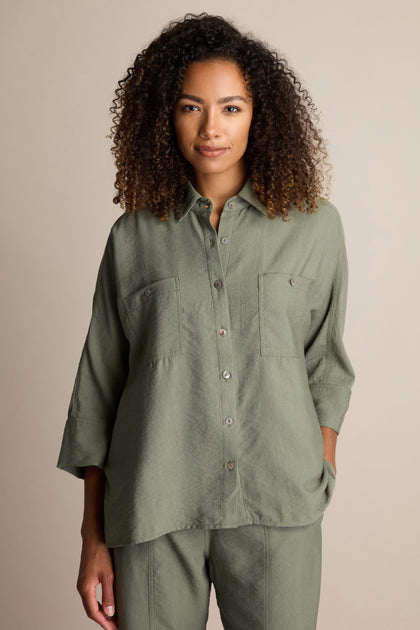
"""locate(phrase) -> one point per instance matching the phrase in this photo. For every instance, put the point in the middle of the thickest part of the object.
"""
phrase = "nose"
(209, 127)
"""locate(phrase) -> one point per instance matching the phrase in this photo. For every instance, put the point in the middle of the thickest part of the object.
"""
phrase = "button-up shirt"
(211, 361)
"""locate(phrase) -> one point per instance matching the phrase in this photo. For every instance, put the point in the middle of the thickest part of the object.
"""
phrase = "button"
(230, 464)
(224, 240)
(231, 204)
(292, 282)
(229, 420)
(147, 292)
(217, 284)
(226, 374)
(223, 332)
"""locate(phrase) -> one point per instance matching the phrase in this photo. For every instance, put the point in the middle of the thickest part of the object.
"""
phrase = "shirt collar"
(192, 196)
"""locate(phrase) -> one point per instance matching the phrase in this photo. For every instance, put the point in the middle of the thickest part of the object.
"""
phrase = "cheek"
(182, 133)
(243, 134)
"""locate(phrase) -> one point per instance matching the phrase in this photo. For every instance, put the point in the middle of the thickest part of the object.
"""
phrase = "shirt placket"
(218, 246)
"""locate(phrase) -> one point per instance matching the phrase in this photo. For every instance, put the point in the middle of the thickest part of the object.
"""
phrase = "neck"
(218, 187)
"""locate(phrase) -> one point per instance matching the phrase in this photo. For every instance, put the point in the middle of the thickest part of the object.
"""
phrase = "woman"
(213, 381)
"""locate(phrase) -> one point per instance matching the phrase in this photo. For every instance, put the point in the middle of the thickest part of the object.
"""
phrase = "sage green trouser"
(265, 578)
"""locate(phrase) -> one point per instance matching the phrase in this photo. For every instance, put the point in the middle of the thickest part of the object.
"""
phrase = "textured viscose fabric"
(264, 578)
(211, 361)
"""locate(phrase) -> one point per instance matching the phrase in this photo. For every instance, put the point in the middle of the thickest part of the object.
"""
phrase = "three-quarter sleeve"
(330, 372)
(100, 378)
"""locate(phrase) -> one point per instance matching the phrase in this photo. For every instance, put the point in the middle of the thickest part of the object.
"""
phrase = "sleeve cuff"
(331, 406)
(84, 443)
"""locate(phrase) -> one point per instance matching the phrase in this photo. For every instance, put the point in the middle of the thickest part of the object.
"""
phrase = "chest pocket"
(154, 316)
(284, 313)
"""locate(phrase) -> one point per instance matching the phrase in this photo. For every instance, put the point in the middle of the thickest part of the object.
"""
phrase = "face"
(212, 117)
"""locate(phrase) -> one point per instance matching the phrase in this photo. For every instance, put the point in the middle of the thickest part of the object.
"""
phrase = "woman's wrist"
(92, 534)
(92, 529)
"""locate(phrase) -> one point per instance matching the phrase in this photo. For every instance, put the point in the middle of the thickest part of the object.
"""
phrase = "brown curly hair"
(285, 155)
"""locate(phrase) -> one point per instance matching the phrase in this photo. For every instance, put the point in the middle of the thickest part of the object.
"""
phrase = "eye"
(186, 108)
(233, 107)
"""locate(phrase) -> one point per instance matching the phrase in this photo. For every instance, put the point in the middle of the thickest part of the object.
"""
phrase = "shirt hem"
(112, 543)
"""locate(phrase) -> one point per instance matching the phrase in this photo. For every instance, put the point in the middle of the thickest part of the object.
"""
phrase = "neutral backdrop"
(61, 62)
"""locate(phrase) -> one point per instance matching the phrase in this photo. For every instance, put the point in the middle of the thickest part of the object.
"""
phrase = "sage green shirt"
(210, 363)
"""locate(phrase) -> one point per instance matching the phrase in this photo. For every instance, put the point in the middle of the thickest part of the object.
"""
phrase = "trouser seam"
(150, 545)
(266, 576)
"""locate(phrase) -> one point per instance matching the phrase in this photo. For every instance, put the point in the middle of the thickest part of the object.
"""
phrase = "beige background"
(60, 65)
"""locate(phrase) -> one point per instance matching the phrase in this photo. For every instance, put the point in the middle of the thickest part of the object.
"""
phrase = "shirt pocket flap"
(148, 291)
(284, 280)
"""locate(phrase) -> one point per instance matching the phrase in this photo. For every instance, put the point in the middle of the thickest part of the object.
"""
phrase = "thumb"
(108, 598)
(108, 609)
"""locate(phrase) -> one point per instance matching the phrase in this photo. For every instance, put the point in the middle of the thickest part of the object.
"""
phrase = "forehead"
(214, 72)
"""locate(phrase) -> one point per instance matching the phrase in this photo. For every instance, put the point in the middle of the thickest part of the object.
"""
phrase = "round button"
(217, 284)
(292, 282)
(224, 240)
(229, 420)
(230, 464)
(223, 332)
(226, 374)
(147, 292)
(231, 204)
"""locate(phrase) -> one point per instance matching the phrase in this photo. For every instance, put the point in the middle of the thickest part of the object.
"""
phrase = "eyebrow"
(225, 99)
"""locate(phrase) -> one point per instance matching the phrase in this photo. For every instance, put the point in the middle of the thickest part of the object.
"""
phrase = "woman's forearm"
(92, 529)
(330, 442)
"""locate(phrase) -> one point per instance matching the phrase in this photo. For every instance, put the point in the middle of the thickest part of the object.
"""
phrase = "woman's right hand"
(96, 566)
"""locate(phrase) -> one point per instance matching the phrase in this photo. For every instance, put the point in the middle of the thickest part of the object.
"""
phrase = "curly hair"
(285, 154)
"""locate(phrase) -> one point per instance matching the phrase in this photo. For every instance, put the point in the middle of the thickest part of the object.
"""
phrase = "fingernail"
(109, 610)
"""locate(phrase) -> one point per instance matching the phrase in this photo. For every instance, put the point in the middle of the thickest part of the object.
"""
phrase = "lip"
(210, 151)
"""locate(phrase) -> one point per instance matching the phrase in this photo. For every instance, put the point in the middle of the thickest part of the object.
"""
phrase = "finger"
(111, 621)
(108, 604)
(92, 606)
(101, 618)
